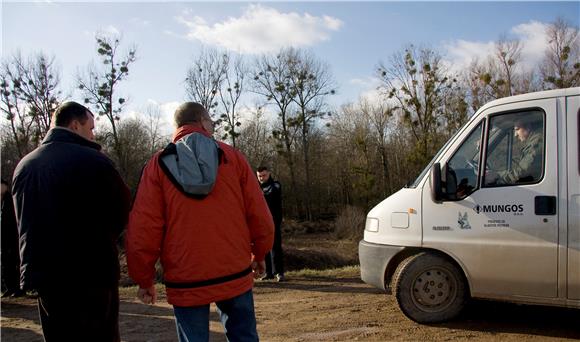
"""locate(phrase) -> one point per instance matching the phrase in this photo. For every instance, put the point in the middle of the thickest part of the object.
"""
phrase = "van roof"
(532, 96)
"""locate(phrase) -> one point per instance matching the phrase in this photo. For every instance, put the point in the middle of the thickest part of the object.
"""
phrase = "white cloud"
(369, 89)
(247, 114)
(460, 53)
(373, 96)
(167, 112)
(534, 41)
(261, 30)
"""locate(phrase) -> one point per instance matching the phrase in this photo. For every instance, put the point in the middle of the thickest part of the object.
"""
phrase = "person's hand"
(259, 268)
(491, 176)
(148, 295)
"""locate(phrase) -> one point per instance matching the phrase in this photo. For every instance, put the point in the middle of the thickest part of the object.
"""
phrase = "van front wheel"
(429, 289)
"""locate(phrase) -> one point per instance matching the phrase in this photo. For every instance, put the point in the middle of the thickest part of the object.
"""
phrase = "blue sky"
(352, 37)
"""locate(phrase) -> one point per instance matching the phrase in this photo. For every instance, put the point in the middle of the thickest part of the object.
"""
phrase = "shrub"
(350, 223)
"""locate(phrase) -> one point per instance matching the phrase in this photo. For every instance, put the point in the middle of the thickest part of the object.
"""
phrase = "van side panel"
(573, 170)
(506, 249)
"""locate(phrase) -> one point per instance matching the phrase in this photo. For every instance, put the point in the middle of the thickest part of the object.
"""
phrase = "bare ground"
(333, 306)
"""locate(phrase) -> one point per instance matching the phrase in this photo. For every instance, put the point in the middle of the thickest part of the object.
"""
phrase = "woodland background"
(333, 162)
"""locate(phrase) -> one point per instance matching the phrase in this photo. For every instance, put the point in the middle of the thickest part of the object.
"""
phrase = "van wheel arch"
(449, 286)
(410, 251)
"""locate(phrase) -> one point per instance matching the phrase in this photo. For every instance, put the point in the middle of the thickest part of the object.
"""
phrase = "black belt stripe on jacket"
(208, 282)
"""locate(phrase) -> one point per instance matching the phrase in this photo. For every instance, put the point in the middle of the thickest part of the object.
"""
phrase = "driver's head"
(522, 129)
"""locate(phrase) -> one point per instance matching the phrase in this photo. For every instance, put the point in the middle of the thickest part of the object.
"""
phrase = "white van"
(495, 214)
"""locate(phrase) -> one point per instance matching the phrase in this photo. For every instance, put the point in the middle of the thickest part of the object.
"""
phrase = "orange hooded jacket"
(206, 245)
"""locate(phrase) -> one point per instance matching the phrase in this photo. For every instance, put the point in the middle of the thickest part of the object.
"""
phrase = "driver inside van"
(526, 166)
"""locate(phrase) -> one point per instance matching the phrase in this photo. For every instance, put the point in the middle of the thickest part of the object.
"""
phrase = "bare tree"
(255, 139)
(416, 81)
(561, 65)
(310, 83)
(380, 117)
(14, 109)
(455, 110)
(9, 153)
(508, 55)
(499, 75)
(354, 150)
(39, 87)
(230, 92)
(153, 127)
(30, 94)
(133, 135)
(272, 80)
(205, 76)
(100, 87)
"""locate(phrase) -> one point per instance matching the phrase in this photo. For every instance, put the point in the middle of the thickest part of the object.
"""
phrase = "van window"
(515, 149)
(463, 168)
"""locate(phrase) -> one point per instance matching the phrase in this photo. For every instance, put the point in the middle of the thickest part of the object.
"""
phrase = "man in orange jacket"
(199, 209)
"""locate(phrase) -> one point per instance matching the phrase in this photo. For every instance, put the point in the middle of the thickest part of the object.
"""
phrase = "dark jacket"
(527, 166)
(273, 193)
(71, 205)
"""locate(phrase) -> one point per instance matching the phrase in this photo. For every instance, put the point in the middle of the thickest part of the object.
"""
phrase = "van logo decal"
(499, 208)
(463, 221)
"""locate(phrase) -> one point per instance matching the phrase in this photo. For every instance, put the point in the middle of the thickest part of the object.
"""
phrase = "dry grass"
(350, 223)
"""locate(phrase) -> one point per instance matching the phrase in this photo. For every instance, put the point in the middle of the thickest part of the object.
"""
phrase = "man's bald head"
(189, 113)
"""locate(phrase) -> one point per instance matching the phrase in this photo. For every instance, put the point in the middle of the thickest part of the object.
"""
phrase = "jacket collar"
(61, 134)
(188, 129)
(267, 183)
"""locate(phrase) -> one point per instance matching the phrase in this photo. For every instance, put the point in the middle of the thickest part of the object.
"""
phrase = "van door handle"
(545, 205)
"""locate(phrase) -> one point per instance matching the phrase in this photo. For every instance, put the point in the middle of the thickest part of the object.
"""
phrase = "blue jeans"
(237, 316)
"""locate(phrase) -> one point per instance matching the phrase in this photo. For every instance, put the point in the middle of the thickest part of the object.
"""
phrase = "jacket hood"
(61, 134)
(192, 161)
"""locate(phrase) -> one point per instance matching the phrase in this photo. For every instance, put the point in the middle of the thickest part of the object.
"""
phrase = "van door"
(500, 223)
(573, 142)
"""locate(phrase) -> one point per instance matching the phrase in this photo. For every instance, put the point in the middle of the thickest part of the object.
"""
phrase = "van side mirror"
(435, 179)
(443, 183)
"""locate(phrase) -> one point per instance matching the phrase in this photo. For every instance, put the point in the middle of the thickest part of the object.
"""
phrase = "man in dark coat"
(71, 206)
(273, 194)
(10, 256)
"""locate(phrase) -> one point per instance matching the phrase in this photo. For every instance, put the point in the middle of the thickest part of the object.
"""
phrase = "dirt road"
(333, 307)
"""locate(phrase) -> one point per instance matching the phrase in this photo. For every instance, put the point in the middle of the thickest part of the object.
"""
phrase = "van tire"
(429, 288)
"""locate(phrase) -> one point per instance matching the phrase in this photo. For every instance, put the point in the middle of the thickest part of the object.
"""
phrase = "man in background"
(71, 206)
(273, 193)
(9, 251)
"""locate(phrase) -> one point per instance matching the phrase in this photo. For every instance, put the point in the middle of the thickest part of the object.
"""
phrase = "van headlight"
(372, 225)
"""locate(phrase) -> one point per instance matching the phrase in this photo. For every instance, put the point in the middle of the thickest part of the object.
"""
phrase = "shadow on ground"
(139, 323)
(25, 309)
(321, 284)
(501, 317)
